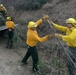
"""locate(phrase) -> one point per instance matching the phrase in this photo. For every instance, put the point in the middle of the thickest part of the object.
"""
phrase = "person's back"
(10, 24)
(10, 27)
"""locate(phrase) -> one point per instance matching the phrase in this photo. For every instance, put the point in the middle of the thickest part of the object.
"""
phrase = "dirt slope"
(10, 61)
(59, 11)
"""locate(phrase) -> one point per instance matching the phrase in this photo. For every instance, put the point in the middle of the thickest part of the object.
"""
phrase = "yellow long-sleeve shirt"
(10, 24)
(33, 38)
(70, 36)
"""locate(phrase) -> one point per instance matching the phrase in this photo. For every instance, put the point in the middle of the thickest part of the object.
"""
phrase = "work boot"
(36, 71)
(6, 46)
(10, 47)
(25, 63)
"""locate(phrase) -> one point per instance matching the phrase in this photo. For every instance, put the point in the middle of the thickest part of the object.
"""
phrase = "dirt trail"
(10, 61)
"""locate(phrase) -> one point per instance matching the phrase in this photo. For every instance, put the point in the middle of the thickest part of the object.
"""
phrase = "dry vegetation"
(52, 56)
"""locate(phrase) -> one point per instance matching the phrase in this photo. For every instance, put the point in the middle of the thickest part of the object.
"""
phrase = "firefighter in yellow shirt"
(10, 26)
(3, 10)
(32, 40)
(70, 38)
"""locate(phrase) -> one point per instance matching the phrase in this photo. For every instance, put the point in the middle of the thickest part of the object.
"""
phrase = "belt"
(72, 47)
(31, 46)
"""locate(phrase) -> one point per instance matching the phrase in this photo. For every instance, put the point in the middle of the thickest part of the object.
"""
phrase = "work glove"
(52, 22)
(45, 17)
(58, 35)
(48, 36)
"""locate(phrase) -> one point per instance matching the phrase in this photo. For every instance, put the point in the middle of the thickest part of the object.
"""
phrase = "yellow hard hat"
(9, 18)
(72, 21)
(1, 5)
(32, 24)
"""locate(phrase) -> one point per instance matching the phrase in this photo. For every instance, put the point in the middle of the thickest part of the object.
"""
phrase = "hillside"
(52, 59)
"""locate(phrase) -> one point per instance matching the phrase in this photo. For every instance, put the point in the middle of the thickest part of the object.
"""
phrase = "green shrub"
(29, 4)
(17, 40)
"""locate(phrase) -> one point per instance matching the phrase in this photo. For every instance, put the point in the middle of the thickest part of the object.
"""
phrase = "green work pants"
(10, 38)
(32, 51)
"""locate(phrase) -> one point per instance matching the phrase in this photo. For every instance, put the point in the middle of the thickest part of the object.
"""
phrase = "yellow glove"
(58, 35)
(45, 17)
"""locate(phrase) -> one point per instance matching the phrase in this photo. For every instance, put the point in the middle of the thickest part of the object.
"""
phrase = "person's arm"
(71, 37)
(41, 20)
(6, 25)
(67, 38)
(41, 39)
(13, 25)
(58, 27)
